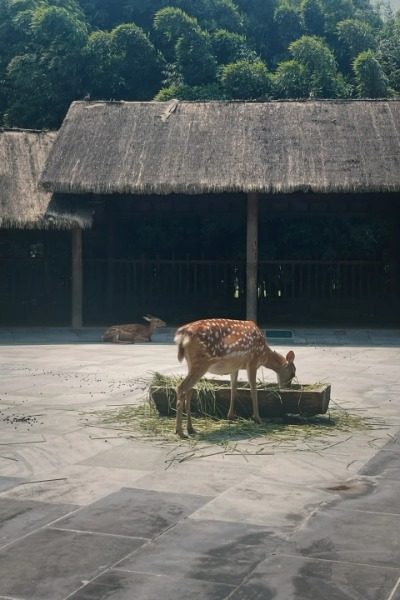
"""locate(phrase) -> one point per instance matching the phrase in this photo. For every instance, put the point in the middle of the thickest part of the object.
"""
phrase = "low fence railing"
(37, 291)
(179, 289)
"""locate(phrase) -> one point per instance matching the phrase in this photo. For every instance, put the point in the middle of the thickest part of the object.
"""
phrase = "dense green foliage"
(55, 51)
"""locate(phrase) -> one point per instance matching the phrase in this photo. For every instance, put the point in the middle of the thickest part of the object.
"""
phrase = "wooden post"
(252, 257)
(394, 251)
(110, 212)
(77, 278)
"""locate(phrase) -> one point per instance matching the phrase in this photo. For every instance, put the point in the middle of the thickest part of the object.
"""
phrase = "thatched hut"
(135, 162)
(23, 205)
(29, 220)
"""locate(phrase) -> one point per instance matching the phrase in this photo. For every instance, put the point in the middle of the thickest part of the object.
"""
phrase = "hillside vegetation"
(55, 51)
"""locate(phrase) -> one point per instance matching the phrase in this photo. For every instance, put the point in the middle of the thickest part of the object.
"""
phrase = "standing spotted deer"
(223, 346)
(133, 332)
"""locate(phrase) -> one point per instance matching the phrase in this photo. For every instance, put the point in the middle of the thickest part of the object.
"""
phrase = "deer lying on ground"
(224, 346)
(133, 332)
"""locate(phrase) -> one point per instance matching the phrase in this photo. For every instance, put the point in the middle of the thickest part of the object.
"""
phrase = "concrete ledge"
(297, 337)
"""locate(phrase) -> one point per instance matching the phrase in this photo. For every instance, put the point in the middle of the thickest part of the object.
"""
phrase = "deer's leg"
(179, 406)
(231, 412)
(188, 399)
(121, 338)
(182, 392)
(252, 376)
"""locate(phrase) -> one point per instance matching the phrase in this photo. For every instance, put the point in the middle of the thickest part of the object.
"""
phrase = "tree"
(335, 11)
(354, 36)
(173, 23)
(15, 39)
(388, 53)
(29, 102)
(100, 76)
(182, 91)
(136, 63)
(260, 30)
(8, 43)
(369, 12)
(313, 17)
(290, 80)
(371, 81)
(107, 14)
(288, 25)
(322, 76)
(246, 80)
(122, 64)
(214, 14)
(56, 29)
(194, 60)
(49, 75)
(227, 46)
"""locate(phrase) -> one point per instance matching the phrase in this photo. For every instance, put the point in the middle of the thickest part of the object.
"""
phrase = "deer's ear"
(147, 318)
(290, 356)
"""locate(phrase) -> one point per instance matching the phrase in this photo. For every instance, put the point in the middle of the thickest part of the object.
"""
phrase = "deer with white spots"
(223, 346)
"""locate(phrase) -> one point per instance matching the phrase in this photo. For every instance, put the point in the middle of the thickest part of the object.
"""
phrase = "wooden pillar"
(77, 279)
(110, 212)
(394, 216)
(252, 257)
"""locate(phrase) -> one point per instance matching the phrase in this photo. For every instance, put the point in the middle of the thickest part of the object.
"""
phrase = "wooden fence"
(179, 290)
(37, 291)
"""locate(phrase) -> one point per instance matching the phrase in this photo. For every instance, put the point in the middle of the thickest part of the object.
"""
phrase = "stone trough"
(214, 399)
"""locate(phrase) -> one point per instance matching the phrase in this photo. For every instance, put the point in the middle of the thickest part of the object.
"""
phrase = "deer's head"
(155, 321)
(286, 370)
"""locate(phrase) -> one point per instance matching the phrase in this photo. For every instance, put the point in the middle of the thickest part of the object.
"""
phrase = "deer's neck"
(272, 359)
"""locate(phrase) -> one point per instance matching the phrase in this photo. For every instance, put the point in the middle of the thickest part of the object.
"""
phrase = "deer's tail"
(181, 340)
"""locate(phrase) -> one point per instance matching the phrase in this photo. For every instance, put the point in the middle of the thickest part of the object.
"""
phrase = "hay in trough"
(211, 397)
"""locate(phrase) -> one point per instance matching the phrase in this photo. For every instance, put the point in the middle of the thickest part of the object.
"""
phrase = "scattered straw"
(144, 418)
(242, 437)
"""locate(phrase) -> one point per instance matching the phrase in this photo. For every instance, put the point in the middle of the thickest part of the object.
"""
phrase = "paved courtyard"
(90, 512)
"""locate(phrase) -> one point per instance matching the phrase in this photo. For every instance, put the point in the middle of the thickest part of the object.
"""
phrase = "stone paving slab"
(214, 551)
(20, 517)
(50, 564)
(386, 463)
(381, 497)
(116, 585)
(141, 457)
(258, 501)
(8, 483)
(395, 595)
(349, 536)
(131, 512)
(298, 578)
(76, 484)
(208, 478)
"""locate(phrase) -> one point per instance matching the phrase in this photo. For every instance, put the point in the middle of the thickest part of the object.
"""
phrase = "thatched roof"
(22, 203)
(207, 147)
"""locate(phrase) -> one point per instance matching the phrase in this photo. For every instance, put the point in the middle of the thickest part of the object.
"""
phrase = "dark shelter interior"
(326, 259)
